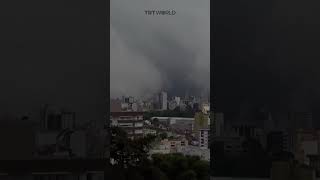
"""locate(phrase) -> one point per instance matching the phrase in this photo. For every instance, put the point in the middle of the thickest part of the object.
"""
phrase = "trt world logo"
(160, 12)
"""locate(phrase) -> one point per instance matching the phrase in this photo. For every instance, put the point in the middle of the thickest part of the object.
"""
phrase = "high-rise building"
(163, 101)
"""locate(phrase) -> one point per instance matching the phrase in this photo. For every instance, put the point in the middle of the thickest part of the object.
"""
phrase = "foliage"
(128, 152)
(163, 135)
(132, 163)
(201, 121)
(178, 166)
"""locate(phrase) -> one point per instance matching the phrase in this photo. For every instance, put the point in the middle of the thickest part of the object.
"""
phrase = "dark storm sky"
(53, 52)
(267, 52)
(153, 53)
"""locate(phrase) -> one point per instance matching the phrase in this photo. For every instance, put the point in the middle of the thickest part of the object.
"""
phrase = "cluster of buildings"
(189, 136)
(186, 135)
(159, 102)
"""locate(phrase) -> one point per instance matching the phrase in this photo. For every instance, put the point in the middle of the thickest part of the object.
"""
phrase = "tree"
(155, 122)
(187, 175)
(163, 135)
(178, 166)
(130, 157)
(126, 152)
(154, 173)
(132, 163)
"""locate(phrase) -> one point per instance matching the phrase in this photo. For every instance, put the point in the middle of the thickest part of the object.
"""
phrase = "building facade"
(163, 101)
(131, 122)
(204, 136)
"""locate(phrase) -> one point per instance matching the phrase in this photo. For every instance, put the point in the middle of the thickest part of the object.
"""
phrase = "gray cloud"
(150, 53)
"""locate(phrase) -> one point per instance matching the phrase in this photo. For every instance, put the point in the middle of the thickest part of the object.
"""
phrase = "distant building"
(205, 107)
(146, 106)
(131, 99)
(127, 104)
(180, 124)
(172, 105)
(163, 101)
(131, 122)
(177, 100)
(134, 107)
(182, 106)
(124, 107)
(125, 99)
(174, 120)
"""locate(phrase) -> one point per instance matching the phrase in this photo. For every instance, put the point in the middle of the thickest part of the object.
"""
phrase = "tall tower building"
(163, 100)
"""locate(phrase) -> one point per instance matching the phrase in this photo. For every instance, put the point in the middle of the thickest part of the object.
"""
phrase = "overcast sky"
(151, 53)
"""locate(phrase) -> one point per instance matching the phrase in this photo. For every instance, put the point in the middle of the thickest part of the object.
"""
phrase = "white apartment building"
(131, 122)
